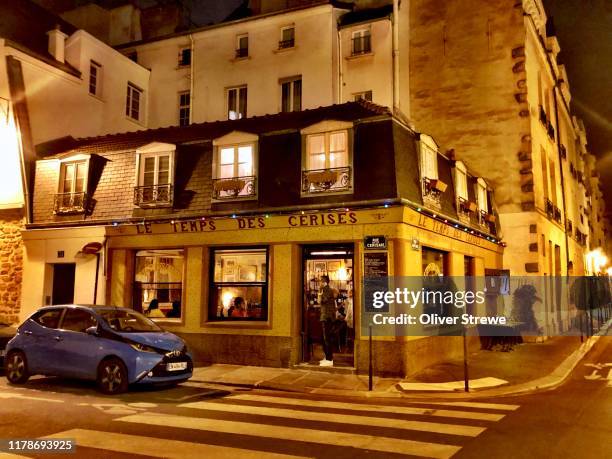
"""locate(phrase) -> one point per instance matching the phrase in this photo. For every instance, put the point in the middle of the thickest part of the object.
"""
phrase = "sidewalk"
(529, 367)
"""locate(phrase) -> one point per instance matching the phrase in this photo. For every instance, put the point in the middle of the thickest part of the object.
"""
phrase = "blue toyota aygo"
(113, 346)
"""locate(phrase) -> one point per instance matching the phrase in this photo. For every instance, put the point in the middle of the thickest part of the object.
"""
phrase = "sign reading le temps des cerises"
(240, 223)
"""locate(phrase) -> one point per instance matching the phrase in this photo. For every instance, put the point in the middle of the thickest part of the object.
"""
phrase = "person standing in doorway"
(328, 315)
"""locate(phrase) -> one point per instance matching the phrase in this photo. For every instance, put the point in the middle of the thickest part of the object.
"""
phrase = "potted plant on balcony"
(232, 186)
(323, 179)
(490, 218)
(437, 185)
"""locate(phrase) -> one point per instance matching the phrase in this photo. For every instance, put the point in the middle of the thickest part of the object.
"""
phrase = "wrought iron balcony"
(557, 214)
(242, 52)
(283, 44)
(361, 45)
(235, 187)
(550, 208)
(153, 195)
(335, 179)
(71, 203)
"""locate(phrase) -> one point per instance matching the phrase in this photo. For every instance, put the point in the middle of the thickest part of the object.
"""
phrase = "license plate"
(176, 366)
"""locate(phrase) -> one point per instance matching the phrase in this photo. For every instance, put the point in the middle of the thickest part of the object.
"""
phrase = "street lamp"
(596, 260)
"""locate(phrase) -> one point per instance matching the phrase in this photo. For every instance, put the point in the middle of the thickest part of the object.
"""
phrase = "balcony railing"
(557, 214)
(336, 179)
(153, 195)
(242, 52)
(286, 43)
(551, 131)
(234, 187)
(361, 45)
(550, 208)
(71, 203)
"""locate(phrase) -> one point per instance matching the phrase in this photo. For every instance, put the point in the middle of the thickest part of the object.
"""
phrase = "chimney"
(57, 42)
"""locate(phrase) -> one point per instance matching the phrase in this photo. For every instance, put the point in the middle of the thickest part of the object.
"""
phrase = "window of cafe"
(158, 283)
(434, 265)
(239, 284)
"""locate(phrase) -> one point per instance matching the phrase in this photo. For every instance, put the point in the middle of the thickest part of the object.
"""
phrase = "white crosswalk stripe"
(449, 429)
(367, 407)
(157, 447)
(416, 437)
(370, 442)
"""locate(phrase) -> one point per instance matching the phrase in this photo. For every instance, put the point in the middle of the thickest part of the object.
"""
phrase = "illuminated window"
(239, 284)
(72, 196)
(481, 195)
(237, 103)
(327, 150)
(461, 181)
(155, 175)
(429, 158)
(158, 283)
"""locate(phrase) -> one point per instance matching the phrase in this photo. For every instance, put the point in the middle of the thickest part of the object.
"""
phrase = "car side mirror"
(92, 331)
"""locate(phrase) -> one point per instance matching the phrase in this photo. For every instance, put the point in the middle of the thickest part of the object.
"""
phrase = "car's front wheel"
(17, 367)
(112, 376)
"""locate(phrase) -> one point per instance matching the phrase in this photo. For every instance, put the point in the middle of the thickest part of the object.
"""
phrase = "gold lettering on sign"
(448, 230)
(337, 218)
(193, 226)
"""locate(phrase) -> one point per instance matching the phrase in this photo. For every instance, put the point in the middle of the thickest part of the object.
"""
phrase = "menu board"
(375, 264)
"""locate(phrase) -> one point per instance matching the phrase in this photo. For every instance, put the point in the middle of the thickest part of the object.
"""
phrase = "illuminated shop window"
(158, 283)
(239, 285)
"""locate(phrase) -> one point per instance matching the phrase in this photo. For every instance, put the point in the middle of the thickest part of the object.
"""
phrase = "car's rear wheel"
(16, 366)
(112, 376)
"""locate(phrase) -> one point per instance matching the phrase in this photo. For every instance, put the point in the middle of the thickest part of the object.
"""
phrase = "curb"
(551, 381)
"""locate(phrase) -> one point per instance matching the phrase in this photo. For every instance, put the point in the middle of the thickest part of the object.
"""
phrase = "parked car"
(6, 334)
(113, 346)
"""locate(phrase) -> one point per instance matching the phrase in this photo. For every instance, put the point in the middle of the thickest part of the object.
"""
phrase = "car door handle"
(27, 332)
(58, 338)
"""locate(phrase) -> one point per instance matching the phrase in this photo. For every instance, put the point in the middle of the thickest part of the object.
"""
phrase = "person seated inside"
(238, 309)
(175, 313)
(153, 311)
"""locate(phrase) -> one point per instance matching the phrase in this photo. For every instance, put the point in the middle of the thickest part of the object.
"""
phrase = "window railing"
(71, 203)
(242, 52)
(335, 179)
(286, 43)
(153, 195)
(550, 208)
(466, 206)
(361, 45)
(432, 190)
(234, 187)
(557, 214)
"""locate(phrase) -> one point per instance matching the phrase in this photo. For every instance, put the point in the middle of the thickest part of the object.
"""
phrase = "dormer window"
(485, 217)
(72, 195)
(234, 166)
(327, 158)
(155, 175)
(464, 206)
(431, 186)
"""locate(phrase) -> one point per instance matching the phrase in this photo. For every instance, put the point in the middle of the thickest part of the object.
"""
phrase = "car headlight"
(142, 347)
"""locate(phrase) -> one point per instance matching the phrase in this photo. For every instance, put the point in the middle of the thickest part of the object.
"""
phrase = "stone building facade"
(11, 264)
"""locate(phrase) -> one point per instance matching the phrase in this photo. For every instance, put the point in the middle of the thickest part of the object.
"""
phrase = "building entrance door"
(335, 261)
(63, 283)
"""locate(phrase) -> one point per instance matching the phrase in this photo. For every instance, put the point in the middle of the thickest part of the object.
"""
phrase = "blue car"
(113, 346)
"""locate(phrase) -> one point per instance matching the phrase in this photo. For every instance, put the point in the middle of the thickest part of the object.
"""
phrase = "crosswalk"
(253, 426)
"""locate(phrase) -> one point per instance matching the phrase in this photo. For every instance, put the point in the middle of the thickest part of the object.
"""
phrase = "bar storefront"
(244, 289)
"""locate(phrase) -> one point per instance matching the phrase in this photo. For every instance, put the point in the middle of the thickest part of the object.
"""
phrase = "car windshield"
(128, 321)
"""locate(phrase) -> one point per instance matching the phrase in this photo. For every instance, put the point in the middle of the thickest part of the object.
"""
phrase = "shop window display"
(239, 287)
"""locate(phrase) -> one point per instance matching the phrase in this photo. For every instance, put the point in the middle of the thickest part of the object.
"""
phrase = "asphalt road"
(197, 420)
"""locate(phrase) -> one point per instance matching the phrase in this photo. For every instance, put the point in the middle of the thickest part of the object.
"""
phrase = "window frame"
(461, 181)
(185, 51)
(212, 250)
(235, 140)
(291, 81)
(184, 252)
(360, 34)
(67, 311)
(156, 149)
(239, 49)
(282, 40)
(481, 190)
(363, 95)
(182, 108)
(428, 150)
(97, 84)
(65, 200)
(240, 115)
(131, 89)
(61, 309)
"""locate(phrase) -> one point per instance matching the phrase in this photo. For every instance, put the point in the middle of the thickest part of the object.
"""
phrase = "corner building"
(259, 208)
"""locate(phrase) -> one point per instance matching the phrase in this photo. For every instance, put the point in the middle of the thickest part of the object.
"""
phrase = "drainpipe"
(396, 98)
(339, 101)
(191, 76)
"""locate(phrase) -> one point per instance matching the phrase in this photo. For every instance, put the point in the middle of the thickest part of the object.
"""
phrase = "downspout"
(191, 76)
(339, 101)
(395, 45)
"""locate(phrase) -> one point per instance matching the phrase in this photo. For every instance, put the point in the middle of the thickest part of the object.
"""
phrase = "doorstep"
(344, 370)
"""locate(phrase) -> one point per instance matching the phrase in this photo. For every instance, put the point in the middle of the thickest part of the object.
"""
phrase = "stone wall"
(11, 264)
